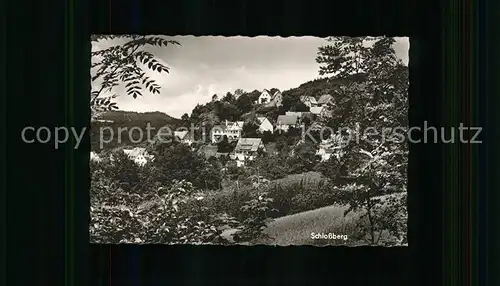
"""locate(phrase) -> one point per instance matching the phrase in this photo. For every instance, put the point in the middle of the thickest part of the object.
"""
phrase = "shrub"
(153, 218)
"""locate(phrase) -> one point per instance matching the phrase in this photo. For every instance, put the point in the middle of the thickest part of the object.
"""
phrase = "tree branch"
(112, 72)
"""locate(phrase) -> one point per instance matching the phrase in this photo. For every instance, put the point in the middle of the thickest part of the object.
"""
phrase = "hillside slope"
(296, 229)
(127, 119)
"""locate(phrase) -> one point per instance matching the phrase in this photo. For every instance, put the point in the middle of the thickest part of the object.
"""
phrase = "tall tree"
(244, 103)
(250, 129)
(185, 118)
(124, 64)
(373, 166)
(229, 97)
(304, 158)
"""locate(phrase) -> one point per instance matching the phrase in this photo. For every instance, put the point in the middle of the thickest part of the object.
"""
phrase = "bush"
(177, 213)
(153, 218)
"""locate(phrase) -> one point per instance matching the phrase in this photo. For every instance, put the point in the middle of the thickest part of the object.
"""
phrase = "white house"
(101, 120)
(264, 97)
(139, 155)
(268, 99)
(284, 122)
(184, 137)
(316, 110)
(265, 125)
(247, 149)
(94, 157)
(230, 129)
(309, 100)
(276, 99)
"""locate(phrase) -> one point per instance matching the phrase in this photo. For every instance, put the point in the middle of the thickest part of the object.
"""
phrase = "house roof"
(316, 109)
(273, 95)
(261, 119)
(325, 98)
(136, 152)
(294, 113)
(234, 125)
(287, 120)
(248, 144)
(265, 91)
(181, 134)
(312, 99)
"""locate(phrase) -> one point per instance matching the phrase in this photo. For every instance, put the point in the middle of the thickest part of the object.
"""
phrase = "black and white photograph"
(239, 140)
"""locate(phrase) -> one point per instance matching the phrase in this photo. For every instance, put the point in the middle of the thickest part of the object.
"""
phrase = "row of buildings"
(275, 99)
(247, 148)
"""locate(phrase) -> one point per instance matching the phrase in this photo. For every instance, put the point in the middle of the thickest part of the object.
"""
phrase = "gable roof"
(181, 134)
(273, 97)
(248, 144)
(227, 125)
(287, 120)
(234, 125)
(137, 154)
(137, 151)
(325, 98)
(312, 99)
(265, 91)
(261, 119)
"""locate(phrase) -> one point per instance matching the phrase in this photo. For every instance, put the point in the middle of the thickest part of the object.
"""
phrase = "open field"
(296, 229)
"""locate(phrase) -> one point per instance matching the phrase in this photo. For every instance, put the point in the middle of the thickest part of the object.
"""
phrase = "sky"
(203, 66)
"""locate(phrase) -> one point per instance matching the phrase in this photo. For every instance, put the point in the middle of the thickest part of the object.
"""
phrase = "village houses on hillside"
(184, 137)
(317, 107)
(284, 122)
(264, 97)
(269, 100)
(246, 150)
(309, 101)
(230, 129)
(265, 125)
(316, 110)
(139, 155)
(324, 100)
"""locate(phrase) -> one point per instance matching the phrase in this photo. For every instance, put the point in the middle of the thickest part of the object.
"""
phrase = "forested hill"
(130, 116)
(128, 119)
(318, 87)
